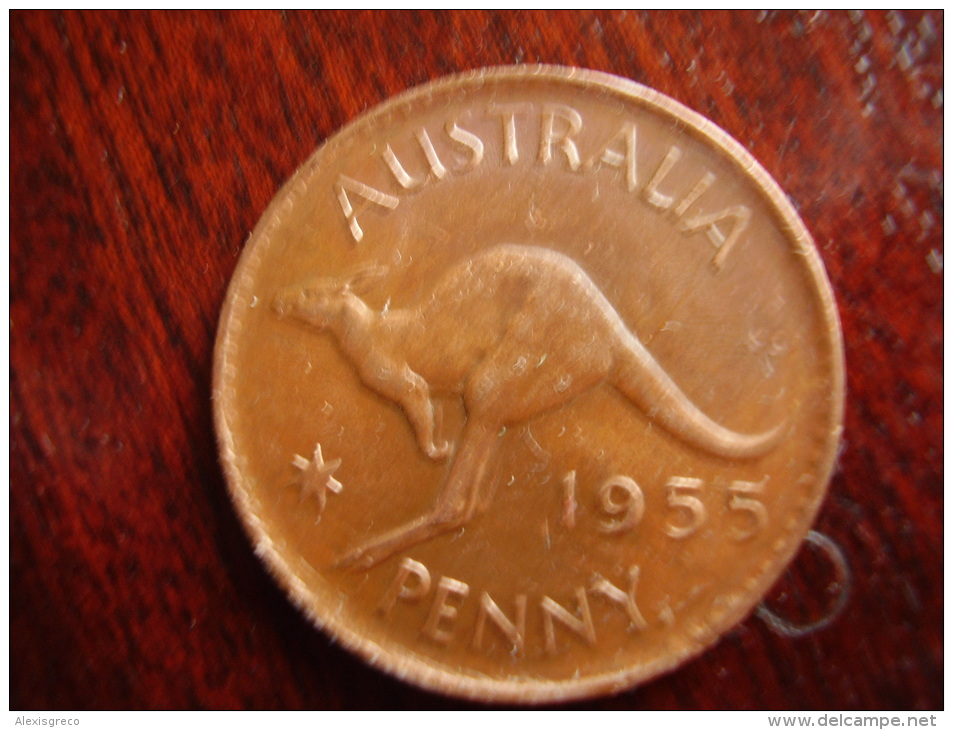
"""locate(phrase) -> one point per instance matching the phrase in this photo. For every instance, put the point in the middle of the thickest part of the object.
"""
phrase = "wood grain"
(145, 146)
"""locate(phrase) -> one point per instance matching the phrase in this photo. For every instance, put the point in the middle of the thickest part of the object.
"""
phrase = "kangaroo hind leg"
(453, 509)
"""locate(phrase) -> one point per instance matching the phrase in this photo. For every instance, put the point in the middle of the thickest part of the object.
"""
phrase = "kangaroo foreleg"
(422, 414)
(453, 509)
(409, 390)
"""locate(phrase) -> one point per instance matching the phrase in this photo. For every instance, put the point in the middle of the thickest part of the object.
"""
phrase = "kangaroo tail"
(643, 381)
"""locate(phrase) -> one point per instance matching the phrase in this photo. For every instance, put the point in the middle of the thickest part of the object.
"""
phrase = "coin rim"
(401, 662)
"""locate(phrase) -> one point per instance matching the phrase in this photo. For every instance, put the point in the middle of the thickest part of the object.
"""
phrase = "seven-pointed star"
(316, 476)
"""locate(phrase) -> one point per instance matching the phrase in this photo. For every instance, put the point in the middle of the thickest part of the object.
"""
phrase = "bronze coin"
(528, 384)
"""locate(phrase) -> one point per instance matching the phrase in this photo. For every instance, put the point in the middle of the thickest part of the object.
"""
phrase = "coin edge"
(416, 669)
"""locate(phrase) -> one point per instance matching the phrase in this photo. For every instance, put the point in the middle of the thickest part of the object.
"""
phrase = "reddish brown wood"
(144, 148)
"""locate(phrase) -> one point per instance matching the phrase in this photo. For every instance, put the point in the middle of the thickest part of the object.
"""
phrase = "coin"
(528, 385)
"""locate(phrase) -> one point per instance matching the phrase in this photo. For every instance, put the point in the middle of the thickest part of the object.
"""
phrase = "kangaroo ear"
(362, 277)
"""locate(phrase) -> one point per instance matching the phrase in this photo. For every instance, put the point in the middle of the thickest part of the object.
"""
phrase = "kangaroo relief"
(508, 355)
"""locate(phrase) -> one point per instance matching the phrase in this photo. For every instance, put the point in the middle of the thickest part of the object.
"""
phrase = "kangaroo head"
(323, 299)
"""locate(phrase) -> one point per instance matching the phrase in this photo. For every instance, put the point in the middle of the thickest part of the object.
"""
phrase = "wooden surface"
(144, 148)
